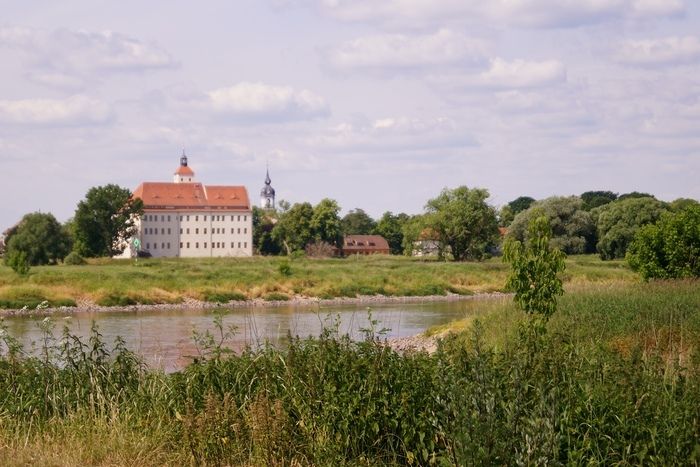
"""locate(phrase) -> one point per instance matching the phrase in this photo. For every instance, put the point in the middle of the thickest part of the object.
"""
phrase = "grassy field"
(120, 282)
(613, 379)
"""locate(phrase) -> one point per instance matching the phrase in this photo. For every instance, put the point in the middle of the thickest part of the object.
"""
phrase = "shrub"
(276, 297)
(18, 261)
(218, 296)
(74, 259)
(319, 249)
(285, 269)
(670, 248)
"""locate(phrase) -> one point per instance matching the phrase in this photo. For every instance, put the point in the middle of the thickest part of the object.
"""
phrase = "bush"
(276, 297)
(670, 248)
(285, 269)
(74, 259)
(18, 261)
(218, 296)
(319, 249)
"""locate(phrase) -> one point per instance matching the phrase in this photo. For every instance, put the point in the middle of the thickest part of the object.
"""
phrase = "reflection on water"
(164, 338)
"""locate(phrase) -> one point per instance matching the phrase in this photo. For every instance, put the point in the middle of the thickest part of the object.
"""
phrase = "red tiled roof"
(364, 242)
(184, 170)
(192, 196)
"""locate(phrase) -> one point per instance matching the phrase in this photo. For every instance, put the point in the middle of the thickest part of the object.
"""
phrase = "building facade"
(185, 218)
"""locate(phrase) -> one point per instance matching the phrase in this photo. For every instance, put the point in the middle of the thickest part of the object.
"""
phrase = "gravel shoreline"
(300, 302)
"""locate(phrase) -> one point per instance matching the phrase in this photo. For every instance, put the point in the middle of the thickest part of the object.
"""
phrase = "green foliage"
(263, 223)
(573, 230)
(293, 229)
(464, 222)
(535, 270)
(670, 248)
(41, 238)
(619, 221)
(18, 261)
(220, 296)
(412, 232)
(285, 269)
(357, 222)
(104, 220)
(594, 199)
(325, 223)
(635, 194)
(390, 227)
(74, 259)
(520, 204)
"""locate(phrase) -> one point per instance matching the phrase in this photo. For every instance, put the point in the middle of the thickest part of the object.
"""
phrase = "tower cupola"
(267, 194)
(183, 174)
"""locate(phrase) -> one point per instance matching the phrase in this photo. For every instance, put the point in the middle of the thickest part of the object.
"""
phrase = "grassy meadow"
(111, 282)
(612, 379)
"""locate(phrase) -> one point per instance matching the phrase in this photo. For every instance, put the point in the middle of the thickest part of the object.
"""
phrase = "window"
(162, 218)
(188, 230)
(168, 245)
(239, 244)
(168, 217)
(148, 246)
(231, 229)
(188, 245)
(196, 245)
(245, 230)
(162, 245)
(217, 245)
(181, 245)
(196, 218)
(155, 246)
(168, 230)
(188, 218)
(196, 230)
(245, 244)
(205, 230)
(205, 218)
(239, 218)
(239, 230)
(245, 218)
(205, 245)
(180, 218)
(180, 232)
(232, 218)
(231, 244)
(162, 230)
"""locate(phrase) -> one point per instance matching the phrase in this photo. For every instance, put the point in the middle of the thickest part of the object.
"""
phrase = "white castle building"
(188, 219)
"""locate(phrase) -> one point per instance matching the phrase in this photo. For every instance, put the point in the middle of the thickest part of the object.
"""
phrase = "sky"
(378, 104)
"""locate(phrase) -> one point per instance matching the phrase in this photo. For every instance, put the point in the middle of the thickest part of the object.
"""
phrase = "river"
(164, 338)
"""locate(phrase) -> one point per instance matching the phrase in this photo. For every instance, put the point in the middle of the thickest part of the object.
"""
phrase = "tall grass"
(567, 394)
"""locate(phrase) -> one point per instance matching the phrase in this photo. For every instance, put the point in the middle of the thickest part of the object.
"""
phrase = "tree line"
(458, 224)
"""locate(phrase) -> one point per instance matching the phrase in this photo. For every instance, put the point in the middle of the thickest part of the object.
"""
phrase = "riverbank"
(294, 302)
(263, 281)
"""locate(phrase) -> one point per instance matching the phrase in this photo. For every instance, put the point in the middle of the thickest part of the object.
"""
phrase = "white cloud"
(658, 52)
(258, 101)
(503, 74)
(385, 51)
(66, 59)
(527, 13)
(76, 110)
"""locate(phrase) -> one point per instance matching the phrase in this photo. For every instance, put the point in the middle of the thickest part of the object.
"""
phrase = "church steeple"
(183, 174)
(267, 194)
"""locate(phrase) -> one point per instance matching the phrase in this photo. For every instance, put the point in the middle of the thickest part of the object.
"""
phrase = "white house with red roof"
(185, 218)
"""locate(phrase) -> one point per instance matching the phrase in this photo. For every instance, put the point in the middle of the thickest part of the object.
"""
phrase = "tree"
(411, 231)
(104, 220)
(41, 238)
(508, 212)
(464, 222)
(619, 221)
(573, 230)
(594, 199)
(670, 248)
(263, 223)
(535, 268)
(325, 222)
(682, 203)
(390, 227)
(357, 222)
(293, 229)
(635, 194)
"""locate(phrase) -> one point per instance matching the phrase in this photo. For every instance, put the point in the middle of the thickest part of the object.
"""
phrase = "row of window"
(214, 231)
(214, 245)
(152, 231)
(217, 218)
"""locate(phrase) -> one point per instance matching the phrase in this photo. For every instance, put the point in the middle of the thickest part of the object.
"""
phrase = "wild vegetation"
(121, 282)
(613, 379)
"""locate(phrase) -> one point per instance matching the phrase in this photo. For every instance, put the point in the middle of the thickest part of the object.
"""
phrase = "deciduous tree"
(464, 222)
(41, 238)
(293, 229)
(357, 222)
(104, 220)
(390, 227)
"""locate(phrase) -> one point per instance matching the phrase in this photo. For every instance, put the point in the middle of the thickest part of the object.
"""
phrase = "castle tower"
(183, 174)
(267, 194)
